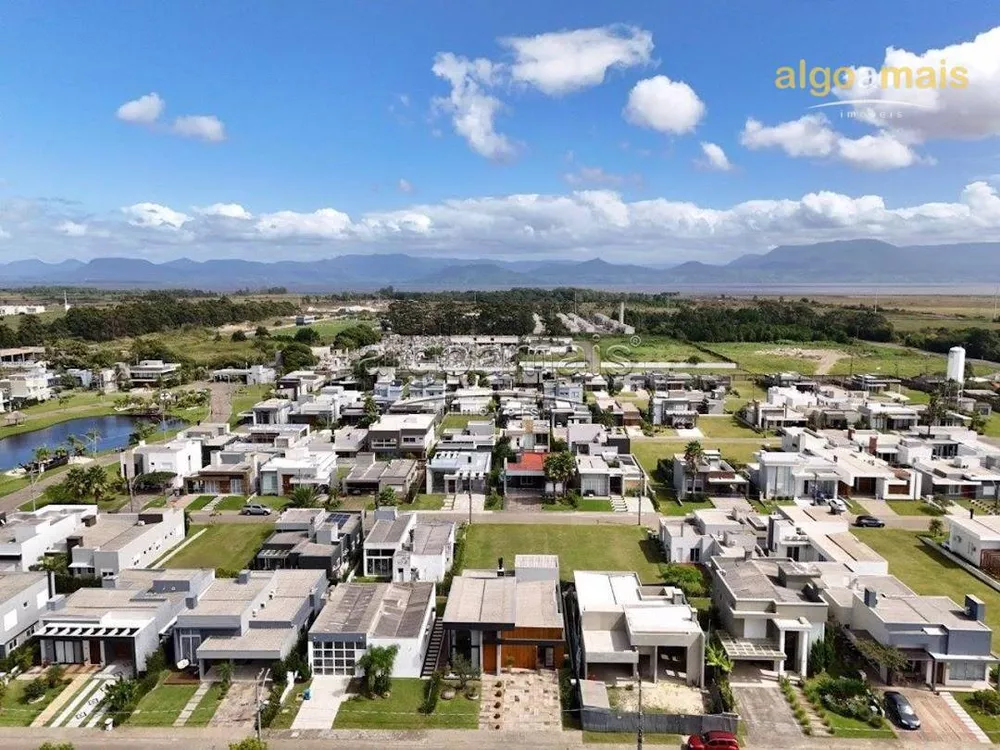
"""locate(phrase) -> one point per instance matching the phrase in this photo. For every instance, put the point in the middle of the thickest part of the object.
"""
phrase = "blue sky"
(336, 108)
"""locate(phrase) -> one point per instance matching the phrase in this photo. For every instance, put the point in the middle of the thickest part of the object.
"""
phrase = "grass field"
(989, 724)
(928, 572)
(161, 706)
(245, 397)
(912, 508)
(400, 710)
(200, 502)
(199, 345)
(579, 547)
(647, 348)
(15, 713)
(890, 361)
(738, 450)
(458, 421)
(621, 738)
(206, 707)
(755, 357)
(230, 546)
(236, 502)
(724, 427)
(327, 329)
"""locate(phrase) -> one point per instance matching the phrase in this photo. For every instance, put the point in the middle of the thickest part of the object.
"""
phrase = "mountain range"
(847, 262)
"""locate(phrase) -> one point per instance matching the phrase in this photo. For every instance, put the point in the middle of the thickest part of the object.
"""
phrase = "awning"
(85, 631)
(750, 649)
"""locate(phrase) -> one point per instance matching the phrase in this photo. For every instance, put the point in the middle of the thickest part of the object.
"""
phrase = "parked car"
(713, 741)
(898, 708)
(869, 522)
(838, 506)
(255, 509)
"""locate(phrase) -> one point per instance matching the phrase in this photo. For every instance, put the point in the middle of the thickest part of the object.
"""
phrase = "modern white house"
(359, 616)
(400, 435)
(31, 384)
(609, 474)
(23, 597)
(299, 467)
(181, 457)
(455, 472)
(110, 543)
(976, 539)
(151, 372)
(26, 536)
(404, 547)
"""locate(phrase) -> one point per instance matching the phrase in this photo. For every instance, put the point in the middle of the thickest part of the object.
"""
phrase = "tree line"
(450, 317)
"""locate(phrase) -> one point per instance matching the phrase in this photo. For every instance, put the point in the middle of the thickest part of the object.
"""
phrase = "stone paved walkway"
(529, 702)
(192, 704)
(61, 700)
(967, 721)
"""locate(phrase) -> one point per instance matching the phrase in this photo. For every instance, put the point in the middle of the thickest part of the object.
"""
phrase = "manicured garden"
(984, 708)
(206, 707)
(223, 546)
(236, 502)
(161, 706)
(23, 700)
(200, 502)
(579, 547)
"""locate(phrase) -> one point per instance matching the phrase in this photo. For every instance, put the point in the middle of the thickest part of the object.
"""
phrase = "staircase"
(618, 504)
(433, 654)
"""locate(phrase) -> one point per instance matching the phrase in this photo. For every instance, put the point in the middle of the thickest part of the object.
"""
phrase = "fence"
(607, 720)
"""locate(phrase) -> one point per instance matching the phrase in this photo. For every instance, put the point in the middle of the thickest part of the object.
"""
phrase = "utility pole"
(638, 743)
(260, 682)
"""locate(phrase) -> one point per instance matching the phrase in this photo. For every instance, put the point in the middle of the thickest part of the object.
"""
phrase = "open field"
(927, 572)
(401, 710)
(244, 397)
(890, 361)
(579, 547)
(199, 344)
(226, 546)
(646, 348)
(326, 329)
(724, 427)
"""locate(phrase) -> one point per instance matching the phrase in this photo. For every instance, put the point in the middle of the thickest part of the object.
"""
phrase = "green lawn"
(739, 451)
(200, 502)
(161, 706)
(992, 428)
(844, 726)
(890, 361)
(989, 724)
(225, 545)
(13, 484)
(245, 397)
(400, 710)
(289, 709)
(621, 738)
(16, 713)
(199, 345)
(424, 502)
(592, 504)
(912, 508)
(454, 421)
(579, 547)
(647, 348)
(206, 707)
(724, 427)
(327, 329)
(236, 502)
(928, 572)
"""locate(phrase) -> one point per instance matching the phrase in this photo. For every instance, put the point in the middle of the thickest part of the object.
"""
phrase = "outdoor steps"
(618, 505)
(815, 720)
(433, 654)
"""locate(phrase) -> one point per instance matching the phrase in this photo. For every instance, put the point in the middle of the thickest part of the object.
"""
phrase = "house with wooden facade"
(507, 619)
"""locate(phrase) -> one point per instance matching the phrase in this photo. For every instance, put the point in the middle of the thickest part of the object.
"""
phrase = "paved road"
(218, 739)
(222, 400)
(19, 497)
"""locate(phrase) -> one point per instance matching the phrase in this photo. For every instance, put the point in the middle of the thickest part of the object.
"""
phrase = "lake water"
(115, 431)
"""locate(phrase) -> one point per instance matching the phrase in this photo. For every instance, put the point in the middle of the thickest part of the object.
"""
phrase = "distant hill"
(843, 262)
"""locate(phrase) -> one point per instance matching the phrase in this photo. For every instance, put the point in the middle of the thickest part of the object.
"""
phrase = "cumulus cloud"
(472, 109)
(664, 105)
(946, 111)
(715, 157)
(811, 136)
(72, 228)
(153, 215)
(563, 61)
(148, 110)
(592, 218)
(142, 111)
(225, 210)
(203, 127)
(405, 186)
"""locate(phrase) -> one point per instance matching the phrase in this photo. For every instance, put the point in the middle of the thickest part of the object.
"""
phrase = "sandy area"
(672, 697)
(825, 358)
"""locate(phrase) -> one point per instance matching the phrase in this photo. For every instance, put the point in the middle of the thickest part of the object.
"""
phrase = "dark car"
(869, 522)
(713, 741)
(898, 708)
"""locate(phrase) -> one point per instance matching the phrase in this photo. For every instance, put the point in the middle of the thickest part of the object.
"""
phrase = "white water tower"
(956, 364)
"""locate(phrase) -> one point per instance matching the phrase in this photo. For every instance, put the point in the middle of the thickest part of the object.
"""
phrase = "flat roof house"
(709, 532)
(26, 536)
(229, 472)
(348, 442)
(180, 457)
(255, 618)
(299, 382)
(311, 539)
(407, 547)
(710, 475)
(359, 616)
(299, 467)
(272, 411)
(23, 597)
(976, 539)
(497, 618)
(113, 542)
(400, 435)
(151, 372)
(622, 622)
(610, 475)
(121, 623)
(453, 472)
(369, 476)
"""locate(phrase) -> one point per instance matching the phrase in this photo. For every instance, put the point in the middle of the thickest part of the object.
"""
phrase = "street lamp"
(638, 671)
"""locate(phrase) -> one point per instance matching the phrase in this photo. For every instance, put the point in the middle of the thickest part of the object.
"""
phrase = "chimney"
(56, 603)
(243, 577)
(500, 571)
(191, 601)
(871, 598)
(975, 608)
(621, 312)
(873, 444)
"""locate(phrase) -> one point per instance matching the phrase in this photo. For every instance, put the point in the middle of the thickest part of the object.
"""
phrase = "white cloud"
(715, 157)
(472, 109)
(812, 137)
(153, 215)
(325, 223)
(597, 176)
(225, 210)
(405, 186)
(564, 61)
(203, 127)
(72, 228)
(142, 111)
(4, 234)
(968, 113)
(664, 105)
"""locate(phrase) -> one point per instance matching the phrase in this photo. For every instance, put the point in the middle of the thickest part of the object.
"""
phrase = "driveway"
(767, 715)
(326, 695)
(237, 709)
(938, 722)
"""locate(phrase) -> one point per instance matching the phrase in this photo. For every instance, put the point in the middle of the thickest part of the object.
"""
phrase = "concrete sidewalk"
(326, 695)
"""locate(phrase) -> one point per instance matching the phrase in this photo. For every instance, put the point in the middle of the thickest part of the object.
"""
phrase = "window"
(336, 657)
(68, 652)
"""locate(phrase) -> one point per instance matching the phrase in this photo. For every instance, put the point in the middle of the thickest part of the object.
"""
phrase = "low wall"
(607, 720)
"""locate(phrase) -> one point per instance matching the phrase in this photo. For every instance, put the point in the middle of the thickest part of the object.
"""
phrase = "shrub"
(156, 662)
(34, 690)
(986, 701)
(688, 578)
(431, 693)
(54, 675)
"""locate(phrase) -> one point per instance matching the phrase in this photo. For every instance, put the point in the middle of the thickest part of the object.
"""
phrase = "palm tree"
(77, 483)
(303, 496)
(377, 663)
(76, 445)
(42, 456)
(560, 468)
(716, 657)
(98, 483)
(693, 453)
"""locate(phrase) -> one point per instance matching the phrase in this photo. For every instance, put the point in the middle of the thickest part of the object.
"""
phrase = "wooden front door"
(95, 652)
(490, 658)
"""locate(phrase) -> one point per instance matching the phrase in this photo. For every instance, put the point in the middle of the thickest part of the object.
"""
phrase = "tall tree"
(560, 468)
(377, 663)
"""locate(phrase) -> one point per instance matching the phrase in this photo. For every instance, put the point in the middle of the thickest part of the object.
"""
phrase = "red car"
(713, 741)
